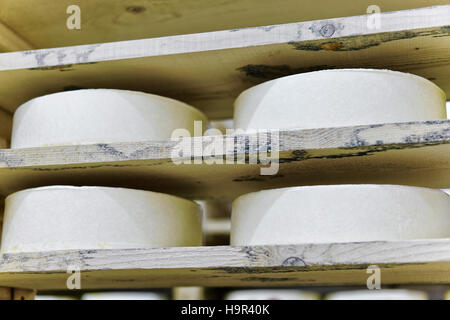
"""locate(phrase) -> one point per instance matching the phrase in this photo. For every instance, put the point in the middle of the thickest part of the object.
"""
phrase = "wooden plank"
(415, 153)
(5, 127)
(11, 41)
(23, 294)
(209, 70)
(5, 293)
(2, 208)
(43, 22)
(401, 262)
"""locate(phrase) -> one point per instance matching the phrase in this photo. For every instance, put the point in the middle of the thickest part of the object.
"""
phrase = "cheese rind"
(100, 116)
(383, 294)
(272, 294)
(334, 98)
(340, 213)
(124, 295)
(64, 218)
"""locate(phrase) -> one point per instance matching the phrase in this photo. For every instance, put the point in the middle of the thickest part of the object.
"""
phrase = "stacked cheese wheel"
(272, 294)
(124, 295)
(67, 217)
(341, 213)
(100, 116)
(384, 294)
(336, 98)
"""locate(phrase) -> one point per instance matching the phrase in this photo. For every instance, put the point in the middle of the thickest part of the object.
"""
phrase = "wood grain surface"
(402, 262)
(415, 153)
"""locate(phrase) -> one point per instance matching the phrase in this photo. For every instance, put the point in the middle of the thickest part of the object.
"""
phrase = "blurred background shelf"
(219, 266)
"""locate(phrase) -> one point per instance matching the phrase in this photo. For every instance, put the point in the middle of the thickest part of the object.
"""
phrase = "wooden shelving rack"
(403, 262)
(208, 70)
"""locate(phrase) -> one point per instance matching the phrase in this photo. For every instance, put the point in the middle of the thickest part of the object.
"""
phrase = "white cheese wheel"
(100, 116)
(65, 217)
(383, 294)
(340, 213)
(272, 294)
(333, 98)
(124, 295)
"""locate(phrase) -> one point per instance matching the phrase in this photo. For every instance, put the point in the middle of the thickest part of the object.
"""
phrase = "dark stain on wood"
(303, 155)
(135, 9)
(267, 279)
(249, 178)
(262, 71)
(355, 43)
(62, 67)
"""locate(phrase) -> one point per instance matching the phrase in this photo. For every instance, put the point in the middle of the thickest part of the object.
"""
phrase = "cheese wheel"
(65, 217)
(333, 98)
(272, 294)
(383, 294)
(124, 295)
(340, 213)
(100, 116)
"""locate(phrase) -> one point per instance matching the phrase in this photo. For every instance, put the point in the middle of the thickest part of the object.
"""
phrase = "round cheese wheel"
(383, 294)
(333, 98)
(100, 116)
(272, 294)
(340, 213)
(124, 295)
(65, 217)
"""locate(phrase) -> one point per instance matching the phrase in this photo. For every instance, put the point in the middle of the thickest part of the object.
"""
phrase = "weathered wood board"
(416, 153)
(402, 262)
(16, 294)
(209, 70)
(42, 23)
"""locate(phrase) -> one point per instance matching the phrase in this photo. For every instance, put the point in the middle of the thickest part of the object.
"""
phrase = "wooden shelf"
(415, 153)
(401, 262)
(209, 70)
(42, 23)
